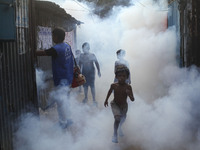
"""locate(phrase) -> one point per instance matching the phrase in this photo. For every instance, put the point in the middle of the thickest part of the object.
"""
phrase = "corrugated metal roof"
(56, 10)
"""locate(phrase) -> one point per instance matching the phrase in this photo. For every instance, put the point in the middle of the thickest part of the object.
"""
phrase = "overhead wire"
(91, 13)
(81, 5)
(74, 9)
(140, 3)
(148, 7)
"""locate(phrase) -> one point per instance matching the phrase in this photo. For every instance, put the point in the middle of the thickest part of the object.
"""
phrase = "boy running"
(119, 105)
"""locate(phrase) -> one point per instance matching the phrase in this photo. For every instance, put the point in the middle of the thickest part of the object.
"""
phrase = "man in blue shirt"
(62, 68)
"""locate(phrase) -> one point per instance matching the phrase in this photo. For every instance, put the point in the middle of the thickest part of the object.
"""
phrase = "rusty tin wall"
(17, 74)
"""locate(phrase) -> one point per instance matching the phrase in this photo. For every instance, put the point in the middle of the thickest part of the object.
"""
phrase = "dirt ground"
(51, 114)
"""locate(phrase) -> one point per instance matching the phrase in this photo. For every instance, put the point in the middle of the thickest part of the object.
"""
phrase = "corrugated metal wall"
(185, 15)
(189, 24)
(186, 34)
(196, 32)
(174, 20)
(17, 74)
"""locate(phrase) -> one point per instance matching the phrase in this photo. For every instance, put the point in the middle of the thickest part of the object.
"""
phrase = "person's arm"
(97, 65)
(40, 53)
(98, 68)
(48, 52)
(129, 78)
(108, 95)
(115, 66)
(129, 92)
(80, 62)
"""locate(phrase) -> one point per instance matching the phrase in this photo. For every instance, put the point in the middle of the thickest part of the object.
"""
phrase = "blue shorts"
(90, 77)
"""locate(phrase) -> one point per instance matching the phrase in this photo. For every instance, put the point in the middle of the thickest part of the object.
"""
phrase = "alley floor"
(51, 114)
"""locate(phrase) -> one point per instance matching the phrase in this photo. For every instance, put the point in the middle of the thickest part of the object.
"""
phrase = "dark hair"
(59, 33)
(122, 68)
(121, 51)
(84, 44)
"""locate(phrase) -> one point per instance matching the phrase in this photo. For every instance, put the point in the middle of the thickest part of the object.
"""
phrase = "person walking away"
(86, 63)
(77, 54)
(77, 58)
(121, 61)
(62, 68)
(119, 104)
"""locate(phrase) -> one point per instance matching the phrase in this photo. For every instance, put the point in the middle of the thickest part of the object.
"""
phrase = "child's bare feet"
(95, 103)
(120, 132)
(114, 139)
(85, 100)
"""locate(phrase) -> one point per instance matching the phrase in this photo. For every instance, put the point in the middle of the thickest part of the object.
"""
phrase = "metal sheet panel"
(17, 75)
(188, 21)
(196, 33)
(174, 20)
(7, 17)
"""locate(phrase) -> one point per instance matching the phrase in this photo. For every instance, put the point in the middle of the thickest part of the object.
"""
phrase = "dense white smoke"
(40, 77)
(165, 113)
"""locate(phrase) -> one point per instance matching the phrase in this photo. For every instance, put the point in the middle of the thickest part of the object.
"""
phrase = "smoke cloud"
(41, 77)
(164, 115)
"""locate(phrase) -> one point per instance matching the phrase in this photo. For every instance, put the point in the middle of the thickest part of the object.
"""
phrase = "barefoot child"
(119, 105)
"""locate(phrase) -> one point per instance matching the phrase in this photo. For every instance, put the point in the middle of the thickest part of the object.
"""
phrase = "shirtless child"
(119, 105)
